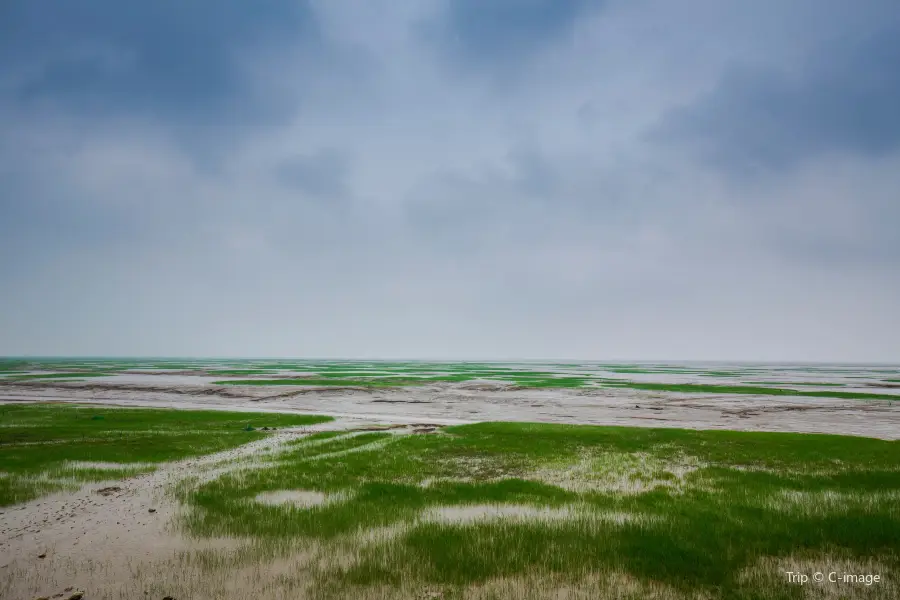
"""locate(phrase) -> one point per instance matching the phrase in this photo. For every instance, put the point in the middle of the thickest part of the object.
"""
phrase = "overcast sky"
(594, 179)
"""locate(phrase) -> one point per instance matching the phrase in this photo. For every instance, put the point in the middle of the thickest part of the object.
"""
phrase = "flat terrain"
(401, 490)
(852, 400)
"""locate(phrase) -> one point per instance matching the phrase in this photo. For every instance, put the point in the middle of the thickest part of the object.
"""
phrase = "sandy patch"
(432, 481)
(300, 498)
(297, 498)
(106, 466)
(113, 544)
(457, 403)
(620, 472)
(466, 514)
(614, 585)
(473, 513)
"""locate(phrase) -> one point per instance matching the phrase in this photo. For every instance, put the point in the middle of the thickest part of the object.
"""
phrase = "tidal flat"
(119, 486)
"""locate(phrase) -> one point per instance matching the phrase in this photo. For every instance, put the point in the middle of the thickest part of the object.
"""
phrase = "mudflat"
(448, 481)
(476, 401)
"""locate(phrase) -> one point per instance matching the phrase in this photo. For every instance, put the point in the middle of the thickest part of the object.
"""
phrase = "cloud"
(503, 35)
(448, 178)
(170, 59)
(323, 174)
(769, 118)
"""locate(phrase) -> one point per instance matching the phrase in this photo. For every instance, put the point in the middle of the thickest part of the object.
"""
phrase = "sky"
(503, 179)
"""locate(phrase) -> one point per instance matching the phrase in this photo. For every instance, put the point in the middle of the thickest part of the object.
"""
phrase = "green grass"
(38, 439)
(704, 388)
(320, 381)
(799, 383)
(700, 507)
(698, 513)
(13, 363)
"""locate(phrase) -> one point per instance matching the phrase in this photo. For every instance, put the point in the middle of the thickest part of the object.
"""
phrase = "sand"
(110, 538)
(447, 404)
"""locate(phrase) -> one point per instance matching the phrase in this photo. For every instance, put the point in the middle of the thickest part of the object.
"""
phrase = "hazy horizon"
(708, 181)
(588, 361)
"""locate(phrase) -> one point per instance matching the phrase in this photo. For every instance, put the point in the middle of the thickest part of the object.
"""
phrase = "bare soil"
(448, 403)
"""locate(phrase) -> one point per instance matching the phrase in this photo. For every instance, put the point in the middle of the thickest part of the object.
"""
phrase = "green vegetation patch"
(324, 381)
(800, 383)
(705, 388)
(40, 442)
(695, 511)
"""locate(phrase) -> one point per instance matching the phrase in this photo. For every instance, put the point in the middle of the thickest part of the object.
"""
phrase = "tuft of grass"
(704, 388)
(41, 439)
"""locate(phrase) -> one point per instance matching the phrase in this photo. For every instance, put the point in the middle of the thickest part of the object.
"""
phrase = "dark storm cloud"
(162, 58)
(843, 100)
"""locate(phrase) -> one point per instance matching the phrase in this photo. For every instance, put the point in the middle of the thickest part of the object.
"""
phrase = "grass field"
(702, 388)
(676, 513)
(491, 510)
(48, 447)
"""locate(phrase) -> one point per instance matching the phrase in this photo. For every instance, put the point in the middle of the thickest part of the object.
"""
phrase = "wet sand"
(454, 403)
